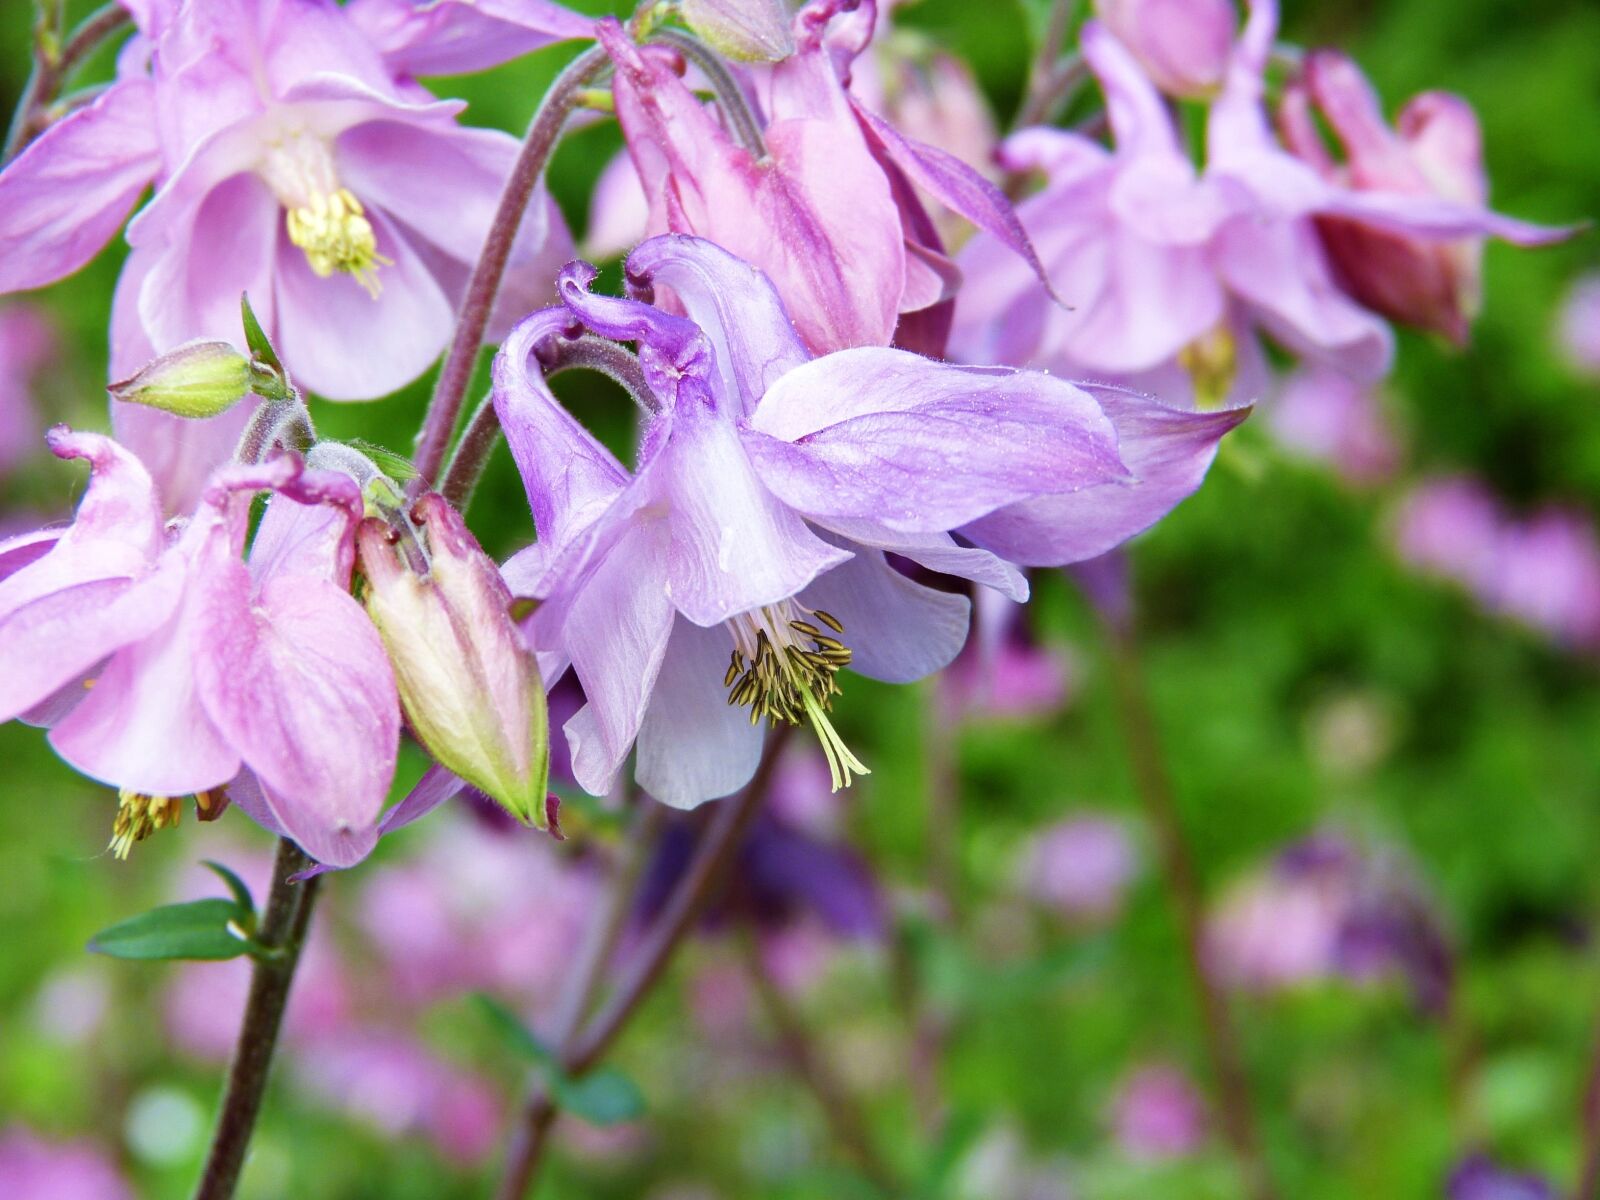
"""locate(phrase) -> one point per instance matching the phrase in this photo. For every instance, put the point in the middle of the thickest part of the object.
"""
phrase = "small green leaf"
(514, 1033)
(196, 930)
(241, 893)
(602, 1097)
(256, 337)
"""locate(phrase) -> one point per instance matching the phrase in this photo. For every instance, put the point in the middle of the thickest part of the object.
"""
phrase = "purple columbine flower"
(289, 163)
(1478, 1177)
(456, 37)
(824, 204)
(1164, 266)
(166, 666)
(741, 565)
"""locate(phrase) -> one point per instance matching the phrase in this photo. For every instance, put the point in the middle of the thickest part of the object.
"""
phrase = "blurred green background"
(1267, 600)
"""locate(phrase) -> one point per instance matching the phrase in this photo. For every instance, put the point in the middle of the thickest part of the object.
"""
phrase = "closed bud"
(1183, 45)
(469, 686)
(746, 30)
(198, 379)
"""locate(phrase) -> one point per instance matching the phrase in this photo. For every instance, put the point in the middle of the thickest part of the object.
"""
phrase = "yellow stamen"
(334, 232)
(1212, 360)
(779, 678)
(138, 816)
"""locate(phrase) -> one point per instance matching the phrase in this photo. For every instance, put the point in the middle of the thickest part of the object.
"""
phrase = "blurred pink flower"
(1449, 527)
(1325, 415)
(1081, 866)
(1003, 671)
(1182, 44)
(1158, 1114)
(27, 343)
(1578, 326)
(32, 1168)
(1280, 928)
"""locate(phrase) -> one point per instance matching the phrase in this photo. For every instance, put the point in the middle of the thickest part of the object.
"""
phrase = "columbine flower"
(167, 667)
(1182, 44)
(734, 573)
(1165, 268)
(288, 163)
(1158, 1114)
(824, 204)
(455, 37)
(1322, 414)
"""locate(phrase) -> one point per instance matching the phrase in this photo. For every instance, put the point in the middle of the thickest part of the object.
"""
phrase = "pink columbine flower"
(1436, 150)
(1158, 1114)
(1081, 866)
(1164, 266)
(1325, 415)
(1182, 45)
(456, 37)
(741, 564)
(32, 1168)
(167, 666)
(824, 203)
(289, 163)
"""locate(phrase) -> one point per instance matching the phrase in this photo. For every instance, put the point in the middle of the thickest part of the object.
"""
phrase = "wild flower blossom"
(289, 163)
(741, 566)
(1157, 1113)
(1081, 866)
(166, 666)
(1182, 45)
(1322, 414)
(818, 196)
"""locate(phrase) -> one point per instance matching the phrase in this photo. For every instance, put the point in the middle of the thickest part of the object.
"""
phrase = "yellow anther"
(1212, 361)
(335, 234)
(138, 816)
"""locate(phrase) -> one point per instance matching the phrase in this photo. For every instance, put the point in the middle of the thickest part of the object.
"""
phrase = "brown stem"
(282, 931)
(1155, 790)
(582, 1051)
(45, 81)
(839, 1108)
(478, 302)
(1588, 1182)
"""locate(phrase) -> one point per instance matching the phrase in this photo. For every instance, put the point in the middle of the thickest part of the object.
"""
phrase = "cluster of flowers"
(808, 461)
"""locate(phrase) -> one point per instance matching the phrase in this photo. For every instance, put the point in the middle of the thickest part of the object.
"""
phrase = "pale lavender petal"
(1168, 451)
(180, 453)
(435, 787)
(455, 37)
(693, 745)
(65, 196)
(938, 552)
(347, 345)
(297, 679)
(897, 630)
(924, 446)
(618, 211)
(1139, 119)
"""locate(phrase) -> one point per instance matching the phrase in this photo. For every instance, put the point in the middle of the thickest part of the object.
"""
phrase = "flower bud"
(469, 686)
(746, 30)
(1183, 45)
(1436, 151)
(198, 379)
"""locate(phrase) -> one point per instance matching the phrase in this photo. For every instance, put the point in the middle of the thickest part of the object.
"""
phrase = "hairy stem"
(282, 932)
(1155, 790)
(1587, 1186)
(731, 98)
(477, 304)
(48, 74)
(844, 1116)
(583, 1050)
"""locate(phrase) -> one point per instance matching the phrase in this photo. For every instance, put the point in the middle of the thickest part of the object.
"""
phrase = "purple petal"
(924, 446)
(311, 531)
(1167, 449)
(670, 347)
(938, 552)
(693, 745)
(64, 197)
(296, 678)
(1140, 122)
(456, 37)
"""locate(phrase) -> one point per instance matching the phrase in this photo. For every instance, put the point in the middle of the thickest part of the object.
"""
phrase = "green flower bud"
(198, 379)
(746, 30)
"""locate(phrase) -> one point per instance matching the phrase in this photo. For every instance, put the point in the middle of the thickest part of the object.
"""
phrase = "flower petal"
(456, 37)
(693, 745)
(66, 195)
(1167, 449)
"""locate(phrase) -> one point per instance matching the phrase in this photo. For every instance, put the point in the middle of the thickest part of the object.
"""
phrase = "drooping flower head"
(740, 566)
(166, 666)
(290, 163)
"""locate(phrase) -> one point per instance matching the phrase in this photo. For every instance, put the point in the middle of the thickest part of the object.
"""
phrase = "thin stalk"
(1588, 1181)
(48, 74)
(583, 1050)
(282, 932)
(1155, 790)
(274, 424)
(1045, 65)
(478, 303)
(844, 1116)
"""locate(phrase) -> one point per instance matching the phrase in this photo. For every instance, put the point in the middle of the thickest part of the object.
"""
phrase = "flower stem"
(839, 1108)
(44, 82)
(1155, 790)
(283, 930)
(581, 1051)
(1588, 1181)
(477, 304)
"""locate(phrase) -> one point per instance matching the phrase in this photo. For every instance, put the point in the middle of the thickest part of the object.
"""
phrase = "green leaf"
(256, 337)
(602, 1097)
(198, 930)
(241, 893)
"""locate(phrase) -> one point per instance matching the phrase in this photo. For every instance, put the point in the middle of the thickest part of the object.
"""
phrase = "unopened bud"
(198, 379)
(1183, 45)
(746, 30)
(469, 686)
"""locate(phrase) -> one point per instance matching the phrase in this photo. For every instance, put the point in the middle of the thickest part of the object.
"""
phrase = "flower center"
(776, 674)
(139, 815)
(1212, 360)
(323, 218)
